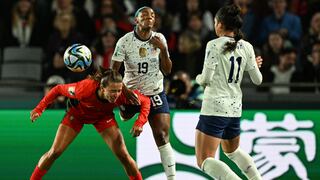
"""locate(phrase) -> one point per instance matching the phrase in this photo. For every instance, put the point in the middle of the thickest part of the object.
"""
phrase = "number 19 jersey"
(141, 62)
(223, 96)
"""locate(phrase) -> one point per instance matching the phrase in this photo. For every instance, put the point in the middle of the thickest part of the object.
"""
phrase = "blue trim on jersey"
(220, 127)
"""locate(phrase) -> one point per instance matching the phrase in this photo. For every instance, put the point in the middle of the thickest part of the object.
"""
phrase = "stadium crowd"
(286, 33)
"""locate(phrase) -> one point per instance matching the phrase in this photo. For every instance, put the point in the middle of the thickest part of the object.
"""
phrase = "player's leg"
(206, 147)
(64, 136)
(160, 125)
(207, 139)
(114, 139)
(159, 120)
(230, 146)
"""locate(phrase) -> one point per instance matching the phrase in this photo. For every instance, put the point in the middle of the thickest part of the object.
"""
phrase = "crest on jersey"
(71, 91)
(143, 52)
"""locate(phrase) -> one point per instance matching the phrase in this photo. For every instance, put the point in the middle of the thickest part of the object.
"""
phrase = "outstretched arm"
(143, 116)
(67, 90)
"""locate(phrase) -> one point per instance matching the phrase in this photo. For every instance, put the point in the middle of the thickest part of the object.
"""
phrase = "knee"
(161, 137)
(54, 153)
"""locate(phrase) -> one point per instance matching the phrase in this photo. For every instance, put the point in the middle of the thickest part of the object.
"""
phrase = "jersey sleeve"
(119, 52)
(252, 67)
(144, 110)
(67, 90)
(163, 39)
(209, 66)
(251, 63)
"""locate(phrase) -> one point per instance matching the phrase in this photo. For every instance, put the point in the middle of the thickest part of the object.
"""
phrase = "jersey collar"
(138, 37)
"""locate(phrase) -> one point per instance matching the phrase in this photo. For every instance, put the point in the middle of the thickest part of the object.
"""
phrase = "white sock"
(245, 163)
(218, 169)
(168, 161)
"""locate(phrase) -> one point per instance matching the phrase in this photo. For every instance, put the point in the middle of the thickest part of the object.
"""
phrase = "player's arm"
(67, 90)
(252, 67)
(165, 61)
(205, 77)
(143, 115)
(255, 76)
(209, 67)
(118, 55)
(117, 59)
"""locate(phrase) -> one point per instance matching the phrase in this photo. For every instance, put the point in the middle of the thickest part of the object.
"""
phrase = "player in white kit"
(145, 56)
(227, 58)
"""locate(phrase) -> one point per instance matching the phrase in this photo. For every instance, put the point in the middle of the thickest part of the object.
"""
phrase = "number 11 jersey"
(223, 95)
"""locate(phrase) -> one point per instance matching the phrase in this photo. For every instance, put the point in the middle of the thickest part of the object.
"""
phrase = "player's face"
(112, 92)
(146, 18)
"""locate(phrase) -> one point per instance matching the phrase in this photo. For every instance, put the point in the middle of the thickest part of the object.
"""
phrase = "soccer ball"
(77, 57)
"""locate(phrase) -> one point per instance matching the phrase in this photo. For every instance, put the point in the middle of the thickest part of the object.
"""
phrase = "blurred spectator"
(111, 8)
(108, 23)
(103, 49)
(163, 22)
(159, 6)
(83, 23)
(250, 21)
(311, 70)
(188, 57)
(312, 36)
(287, 24)
(193, 6)
(63, 36)
(183, 93)
(300, 8)
(23, 30)
(196, 25)
(284, 72)
(164, 28)
(271, 50)
(52, 81)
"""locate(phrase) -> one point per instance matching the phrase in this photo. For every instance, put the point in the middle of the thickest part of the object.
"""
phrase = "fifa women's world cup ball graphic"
(77, 57)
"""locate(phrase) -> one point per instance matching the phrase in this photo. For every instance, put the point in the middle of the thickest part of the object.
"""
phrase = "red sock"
(136, 177)
(38, 173)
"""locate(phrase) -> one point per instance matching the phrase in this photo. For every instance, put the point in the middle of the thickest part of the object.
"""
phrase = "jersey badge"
(71, 91)
(143, 52)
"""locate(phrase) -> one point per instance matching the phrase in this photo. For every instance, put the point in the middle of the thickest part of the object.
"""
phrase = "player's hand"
(259, 61)
(136, 131)
(131, 96)
(156, 42)
(33, 116)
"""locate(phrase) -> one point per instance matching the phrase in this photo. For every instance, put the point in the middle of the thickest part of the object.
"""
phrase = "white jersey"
(141, 62)
(222, 95)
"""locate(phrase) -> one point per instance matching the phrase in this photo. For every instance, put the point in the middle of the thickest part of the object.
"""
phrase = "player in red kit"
(93, 101)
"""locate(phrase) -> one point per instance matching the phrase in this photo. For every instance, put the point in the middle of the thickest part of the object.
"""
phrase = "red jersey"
(90, 107)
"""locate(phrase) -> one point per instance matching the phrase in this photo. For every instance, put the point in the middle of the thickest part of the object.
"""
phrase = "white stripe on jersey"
(142, 63)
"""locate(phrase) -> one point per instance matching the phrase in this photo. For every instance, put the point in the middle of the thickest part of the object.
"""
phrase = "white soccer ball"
(77, 57)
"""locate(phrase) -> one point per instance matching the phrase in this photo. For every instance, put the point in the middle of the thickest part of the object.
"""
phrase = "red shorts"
(77, 124)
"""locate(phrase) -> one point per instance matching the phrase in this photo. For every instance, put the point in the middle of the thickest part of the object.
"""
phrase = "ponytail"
(230, 17)
(232, 45)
